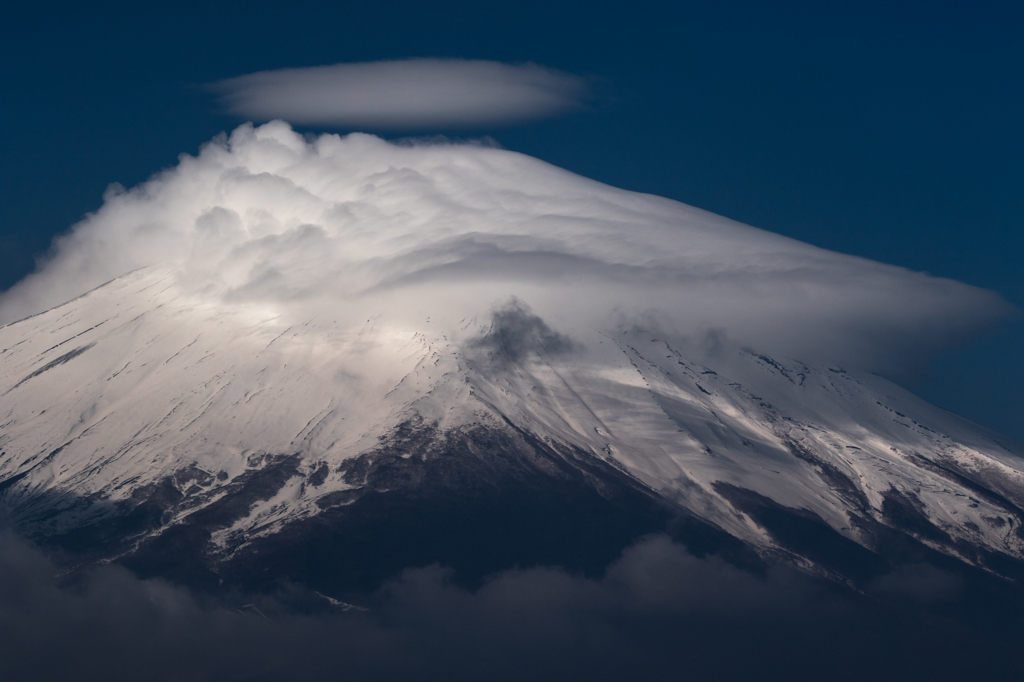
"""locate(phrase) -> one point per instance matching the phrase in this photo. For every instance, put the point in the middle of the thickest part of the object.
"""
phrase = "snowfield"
(278, 313)
(137, 383)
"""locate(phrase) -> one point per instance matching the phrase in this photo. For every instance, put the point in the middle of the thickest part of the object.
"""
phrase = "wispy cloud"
(404, 94)
(357, 224)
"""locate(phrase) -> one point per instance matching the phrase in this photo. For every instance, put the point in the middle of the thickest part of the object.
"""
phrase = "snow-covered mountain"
(139, 404)
(282, 399)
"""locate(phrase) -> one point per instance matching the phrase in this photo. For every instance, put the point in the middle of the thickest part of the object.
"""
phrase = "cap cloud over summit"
(340, 226)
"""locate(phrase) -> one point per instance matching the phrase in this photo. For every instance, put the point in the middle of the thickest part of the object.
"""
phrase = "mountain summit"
(324, 360)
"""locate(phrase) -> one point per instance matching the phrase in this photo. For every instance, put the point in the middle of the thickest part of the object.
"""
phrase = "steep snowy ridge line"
(838, 481)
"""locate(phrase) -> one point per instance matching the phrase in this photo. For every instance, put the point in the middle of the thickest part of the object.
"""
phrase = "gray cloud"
(404, 94)
(516, 333)
(921, 582)
(656, 611)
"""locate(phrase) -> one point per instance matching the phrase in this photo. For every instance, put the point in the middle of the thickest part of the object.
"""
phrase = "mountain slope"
(145, 422)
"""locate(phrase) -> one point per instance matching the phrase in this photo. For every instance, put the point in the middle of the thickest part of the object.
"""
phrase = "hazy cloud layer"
(404, 94)
(656, 613)
(347, 227)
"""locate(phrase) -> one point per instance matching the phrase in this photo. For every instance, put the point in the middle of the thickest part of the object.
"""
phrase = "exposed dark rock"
(9, 482)
(903, 510)
(318, 477)
(54, 363)
(480, 499)
(806, 534)
(235, 499)
(832, 476)
(974, 481)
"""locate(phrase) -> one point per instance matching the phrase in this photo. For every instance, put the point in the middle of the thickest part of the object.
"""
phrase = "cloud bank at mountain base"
(655, 613)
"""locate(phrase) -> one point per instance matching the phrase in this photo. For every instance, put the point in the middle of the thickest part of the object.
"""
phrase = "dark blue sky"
(887, 130)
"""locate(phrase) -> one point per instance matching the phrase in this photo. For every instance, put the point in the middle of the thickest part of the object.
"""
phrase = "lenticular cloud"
(410, 93)
(352, 227)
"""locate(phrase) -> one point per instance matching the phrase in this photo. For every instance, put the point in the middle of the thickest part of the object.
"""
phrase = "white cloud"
(357, 224)
(405, 94)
